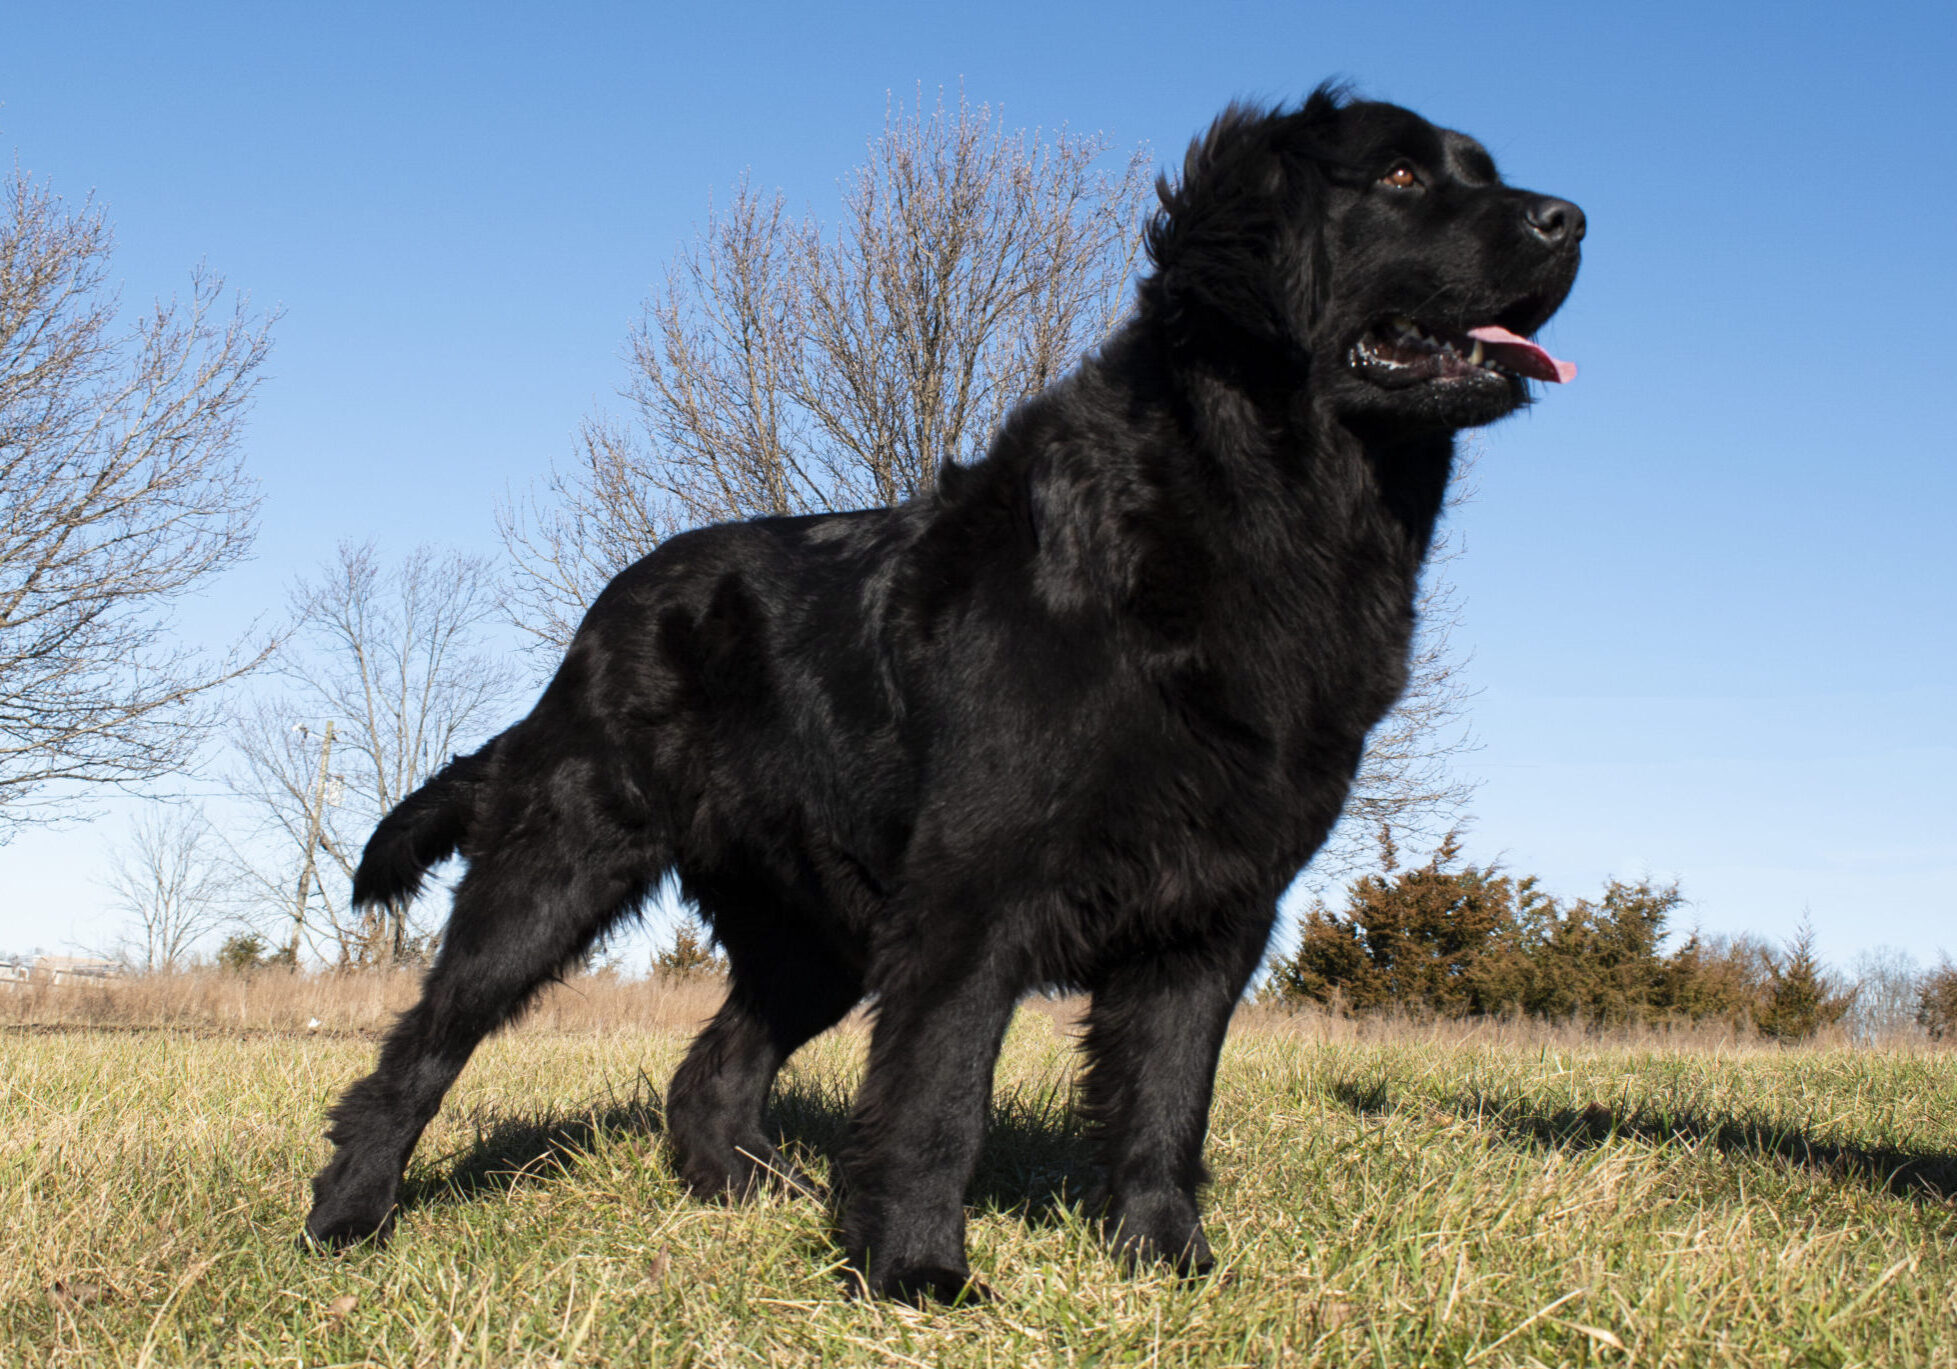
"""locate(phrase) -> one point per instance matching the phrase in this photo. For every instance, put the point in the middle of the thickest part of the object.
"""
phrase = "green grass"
(1423, 1197)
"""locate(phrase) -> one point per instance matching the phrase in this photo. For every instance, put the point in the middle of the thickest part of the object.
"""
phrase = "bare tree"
(122, 489)
(390, 662)
(785, 368)
(1888, 981)
(172, 882)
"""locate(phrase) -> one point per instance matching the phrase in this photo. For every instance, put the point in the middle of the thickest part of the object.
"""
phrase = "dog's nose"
(1557, 222)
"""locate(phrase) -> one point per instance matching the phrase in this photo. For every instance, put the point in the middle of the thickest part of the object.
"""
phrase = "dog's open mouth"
(1401, 351)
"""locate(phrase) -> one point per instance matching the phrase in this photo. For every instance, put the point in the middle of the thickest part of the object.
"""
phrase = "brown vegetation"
(343, 1003)
(1936, 1002)
(274, 1000)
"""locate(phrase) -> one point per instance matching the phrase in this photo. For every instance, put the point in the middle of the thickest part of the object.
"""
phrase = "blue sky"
(1707, 586)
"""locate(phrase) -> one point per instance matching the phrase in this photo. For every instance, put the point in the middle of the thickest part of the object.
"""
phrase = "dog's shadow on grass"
(520, 1149)
(1924, 1176)
(1036, 1163)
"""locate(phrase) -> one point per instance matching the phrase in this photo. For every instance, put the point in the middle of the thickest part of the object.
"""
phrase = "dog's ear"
(1237, 243)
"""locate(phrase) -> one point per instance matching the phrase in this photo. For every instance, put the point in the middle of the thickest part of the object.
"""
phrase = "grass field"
(1390, 1197)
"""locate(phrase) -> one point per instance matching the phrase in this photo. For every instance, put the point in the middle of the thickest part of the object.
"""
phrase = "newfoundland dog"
(1076, 716)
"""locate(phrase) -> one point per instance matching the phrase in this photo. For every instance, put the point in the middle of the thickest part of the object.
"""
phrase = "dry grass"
(364, 1003)
(1392, 1195)
(361, 1003)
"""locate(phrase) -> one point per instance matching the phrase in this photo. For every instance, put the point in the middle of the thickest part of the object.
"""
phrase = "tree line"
(1449, 938)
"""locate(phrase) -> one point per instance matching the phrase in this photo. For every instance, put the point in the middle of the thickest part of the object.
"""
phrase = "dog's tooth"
(1475, 356)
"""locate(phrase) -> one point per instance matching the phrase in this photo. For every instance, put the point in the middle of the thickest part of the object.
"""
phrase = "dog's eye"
(1401, 176)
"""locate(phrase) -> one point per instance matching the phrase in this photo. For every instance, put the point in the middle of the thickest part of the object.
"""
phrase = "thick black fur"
(1076, 716)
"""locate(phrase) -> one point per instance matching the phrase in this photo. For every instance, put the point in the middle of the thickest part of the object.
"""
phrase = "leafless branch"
(122, 489)
(785, 368)
(172, 883)
(393, 658)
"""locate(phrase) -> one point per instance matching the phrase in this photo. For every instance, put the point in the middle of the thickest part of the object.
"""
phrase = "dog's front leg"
(920, 1121)
(1154, 1032)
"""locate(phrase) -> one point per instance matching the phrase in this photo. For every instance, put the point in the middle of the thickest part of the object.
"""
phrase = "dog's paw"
(351, 1206)
(326, 1233)
(1163, 1230)
(924, 1284)
(745, 1173)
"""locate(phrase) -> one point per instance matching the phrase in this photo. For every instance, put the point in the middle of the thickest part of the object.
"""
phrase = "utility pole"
(315, 820)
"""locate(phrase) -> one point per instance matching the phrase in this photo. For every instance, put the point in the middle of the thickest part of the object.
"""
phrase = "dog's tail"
(423, 830)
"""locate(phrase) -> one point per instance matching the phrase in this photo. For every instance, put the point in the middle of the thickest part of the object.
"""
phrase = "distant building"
(73, 969)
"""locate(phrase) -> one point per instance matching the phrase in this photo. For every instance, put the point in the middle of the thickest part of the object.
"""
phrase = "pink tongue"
(1518, 353)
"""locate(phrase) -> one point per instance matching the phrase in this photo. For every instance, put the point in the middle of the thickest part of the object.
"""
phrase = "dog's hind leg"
(786, 986)
(1154, 1031)
(522, 914)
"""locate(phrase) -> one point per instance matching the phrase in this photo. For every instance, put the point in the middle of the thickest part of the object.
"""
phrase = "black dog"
(1077, 716)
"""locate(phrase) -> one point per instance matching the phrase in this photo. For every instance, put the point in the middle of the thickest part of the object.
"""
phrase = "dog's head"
(1377, 256)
